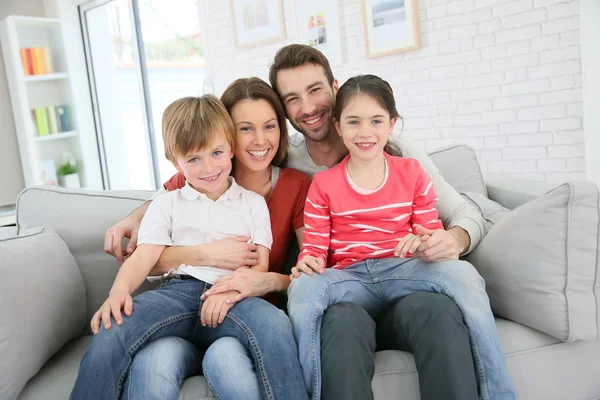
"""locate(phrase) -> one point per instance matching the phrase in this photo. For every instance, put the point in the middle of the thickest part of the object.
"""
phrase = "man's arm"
(127, 227)
(462, 220)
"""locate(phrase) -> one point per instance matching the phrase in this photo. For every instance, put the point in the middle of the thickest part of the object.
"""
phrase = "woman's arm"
(229, 254)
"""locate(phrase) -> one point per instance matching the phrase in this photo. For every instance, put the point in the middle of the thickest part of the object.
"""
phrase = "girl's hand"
(215, 308)
(307, 265)
(409, 244)
(112, 305)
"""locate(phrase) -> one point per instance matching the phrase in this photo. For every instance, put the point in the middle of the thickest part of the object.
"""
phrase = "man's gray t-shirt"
(452, 208)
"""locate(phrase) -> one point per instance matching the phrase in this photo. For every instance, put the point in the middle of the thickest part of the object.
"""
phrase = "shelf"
(34, 21)
(45, 77)
(55, 136)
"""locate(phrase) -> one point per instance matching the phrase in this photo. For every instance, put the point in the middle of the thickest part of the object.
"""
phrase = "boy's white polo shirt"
(186, 217)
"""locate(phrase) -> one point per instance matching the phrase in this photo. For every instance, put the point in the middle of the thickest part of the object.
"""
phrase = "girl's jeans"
(374, 284)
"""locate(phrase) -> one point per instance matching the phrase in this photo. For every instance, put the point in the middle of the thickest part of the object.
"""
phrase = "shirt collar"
(234, 191)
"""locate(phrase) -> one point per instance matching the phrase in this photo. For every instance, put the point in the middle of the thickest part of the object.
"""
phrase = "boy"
(199, 139)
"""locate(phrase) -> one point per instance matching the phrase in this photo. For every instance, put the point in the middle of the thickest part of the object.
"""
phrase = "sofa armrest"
(511, 192)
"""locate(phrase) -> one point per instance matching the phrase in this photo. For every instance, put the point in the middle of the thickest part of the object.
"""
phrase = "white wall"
(503, 76)
(590, 52)
(11, 174)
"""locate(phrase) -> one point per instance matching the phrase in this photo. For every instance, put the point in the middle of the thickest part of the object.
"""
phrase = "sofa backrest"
(81, 217)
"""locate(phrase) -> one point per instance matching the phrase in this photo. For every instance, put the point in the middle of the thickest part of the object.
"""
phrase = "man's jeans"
(374, 284)
(173, 310)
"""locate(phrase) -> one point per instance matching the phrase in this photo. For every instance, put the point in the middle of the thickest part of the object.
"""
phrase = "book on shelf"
(36, 60)
(52, 122)
(52, 119)
(41, 120)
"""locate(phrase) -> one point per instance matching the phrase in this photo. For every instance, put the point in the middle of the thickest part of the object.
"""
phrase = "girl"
(229, 366)
(361, 222)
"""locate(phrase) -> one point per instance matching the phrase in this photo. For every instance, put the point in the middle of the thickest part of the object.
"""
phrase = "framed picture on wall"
(390, 26)
(318, 24)
(257, 22)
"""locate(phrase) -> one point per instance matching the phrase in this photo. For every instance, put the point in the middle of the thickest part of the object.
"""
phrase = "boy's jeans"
(173, 310)
(374, 284)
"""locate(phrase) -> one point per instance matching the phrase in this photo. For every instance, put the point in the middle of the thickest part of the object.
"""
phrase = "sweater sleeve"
(177, 181)
(452, 207)
(423, 209)
(317, 224)
(298, 218)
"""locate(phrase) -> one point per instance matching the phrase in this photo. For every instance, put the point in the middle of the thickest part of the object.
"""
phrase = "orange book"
(25, 61)
(34, 62)
(30, 60)
(41, 59)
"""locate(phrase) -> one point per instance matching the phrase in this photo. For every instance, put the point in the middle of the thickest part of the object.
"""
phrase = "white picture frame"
(318, 25)
(390, 26)
(257, 22)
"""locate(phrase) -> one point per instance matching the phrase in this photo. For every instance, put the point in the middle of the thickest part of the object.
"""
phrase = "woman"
(261, 148)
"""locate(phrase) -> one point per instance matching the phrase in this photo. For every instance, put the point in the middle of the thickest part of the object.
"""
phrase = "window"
(141, 55)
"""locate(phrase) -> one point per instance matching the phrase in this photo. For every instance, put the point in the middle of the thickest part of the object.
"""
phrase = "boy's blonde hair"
(193, 123)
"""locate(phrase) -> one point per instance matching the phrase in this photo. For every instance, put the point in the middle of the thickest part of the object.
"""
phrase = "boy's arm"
(136, 268)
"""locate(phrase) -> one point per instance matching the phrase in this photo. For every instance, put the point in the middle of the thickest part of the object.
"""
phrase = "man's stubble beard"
(320, 134)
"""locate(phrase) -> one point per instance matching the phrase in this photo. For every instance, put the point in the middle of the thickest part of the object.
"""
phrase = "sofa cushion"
(541, 367)
(42, 305)
(83, 218)
(459, 166)
(541, 261)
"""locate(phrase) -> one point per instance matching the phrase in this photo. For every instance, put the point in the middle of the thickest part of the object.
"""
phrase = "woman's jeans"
(173, 310)
(374, 284)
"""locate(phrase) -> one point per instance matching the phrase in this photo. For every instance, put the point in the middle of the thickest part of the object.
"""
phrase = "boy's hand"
(307, 265)
(112, 305)
(409, 244)
(215, 308)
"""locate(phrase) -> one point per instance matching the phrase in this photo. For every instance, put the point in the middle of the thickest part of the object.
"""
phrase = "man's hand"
(114, 236)
(441, 245)
(232, 253)
(247, 282)
(215, 308)
(307, 265)
(113, 305)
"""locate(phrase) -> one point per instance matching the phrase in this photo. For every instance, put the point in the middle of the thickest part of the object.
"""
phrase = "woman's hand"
(247, 282)
(307, 265)
(112, 305)
(232, 253)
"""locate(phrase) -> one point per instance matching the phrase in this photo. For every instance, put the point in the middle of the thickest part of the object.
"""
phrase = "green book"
(52, 123)
(41, 120)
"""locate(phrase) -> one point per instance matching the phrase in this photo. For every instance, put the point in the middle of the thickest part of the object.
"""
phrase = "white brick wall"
(502, 76)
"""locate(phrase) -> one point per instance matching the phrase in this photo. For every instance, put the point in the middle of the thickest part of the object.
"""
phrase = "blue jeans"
(172, 310)
(159, 368)
(374, 284)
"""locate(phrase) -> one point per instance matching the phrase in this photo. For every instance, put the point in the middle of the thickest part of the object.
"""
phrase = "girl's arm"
(317, 224)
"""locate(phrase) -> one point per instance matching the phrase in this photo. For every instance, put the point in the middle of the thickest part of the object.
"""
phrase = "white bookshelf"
(28, 92)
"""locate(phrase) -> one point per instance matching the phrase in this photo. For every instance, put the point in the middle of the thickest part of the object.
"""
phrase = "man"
(428, 325)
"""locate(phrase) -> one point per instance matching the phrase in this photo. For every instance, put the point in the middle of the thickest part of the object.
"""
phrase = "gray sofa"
(540, 262)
